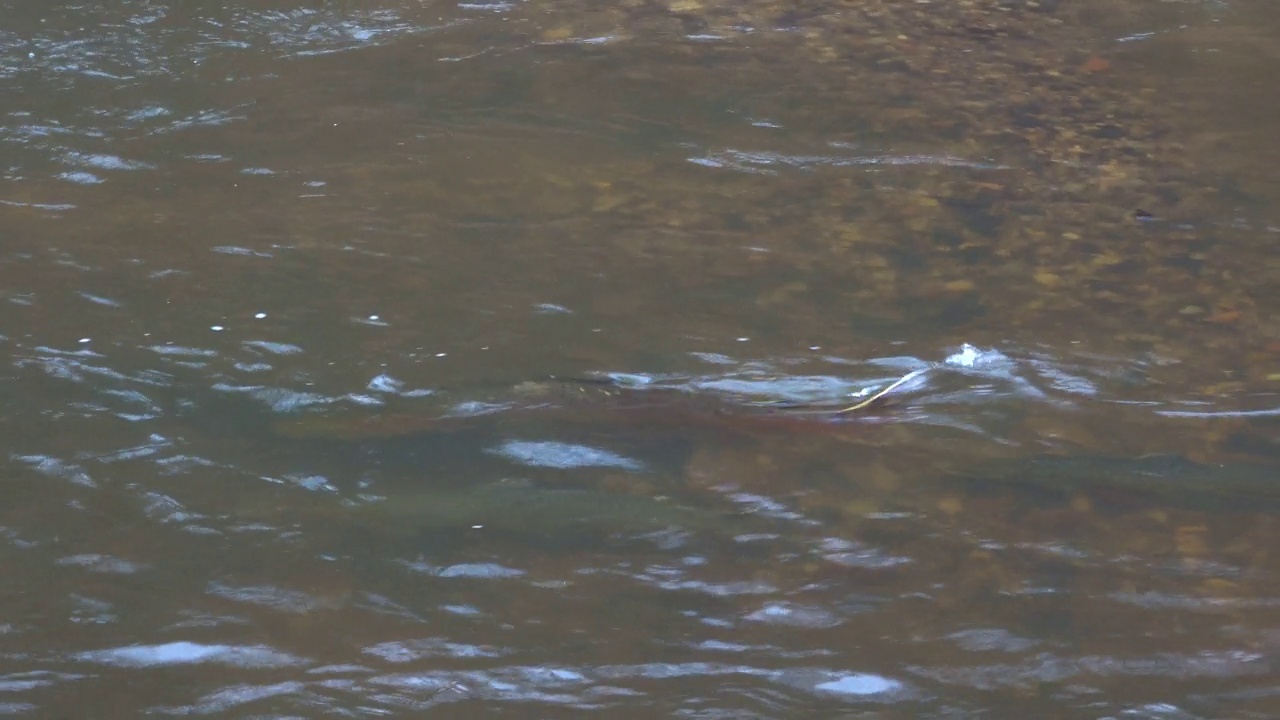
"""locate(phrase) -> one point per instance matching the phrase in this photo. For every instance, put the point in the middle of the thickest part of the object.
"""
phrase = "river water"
(368, 359)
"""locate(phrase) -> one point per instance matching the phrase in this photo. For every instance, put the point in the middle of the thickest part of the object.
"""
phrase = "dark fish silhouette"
(1168, 478)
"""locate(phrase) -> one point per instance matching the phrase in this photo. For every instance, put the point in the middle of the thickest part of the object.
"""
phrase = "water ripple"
(563, 455)
(190, 653)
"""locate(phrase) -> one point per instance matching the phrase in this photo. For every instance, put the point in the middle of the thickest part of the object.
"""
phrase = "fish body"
(519, 508)
(593, 403)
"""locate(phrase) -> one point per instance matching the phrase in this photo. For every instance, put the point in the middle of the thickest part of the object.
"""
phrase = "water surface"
(368, 358)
